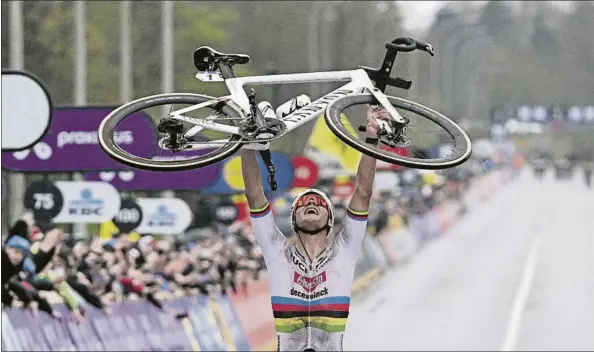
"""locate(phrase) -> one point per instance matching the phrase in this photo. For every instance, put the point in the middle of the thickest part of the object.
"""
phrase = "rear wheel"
(183, 159)
(443, 127)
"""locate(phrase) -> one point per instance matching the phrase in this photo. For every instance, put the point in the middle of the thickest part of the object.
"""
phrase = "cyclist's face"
(311, 212)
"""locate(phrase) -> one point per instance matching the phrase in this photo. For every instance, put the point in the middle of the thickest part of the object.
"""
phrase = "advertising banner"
(44, 199)
(231, 179)
(226, 211)
(105, 330)
(135, 180)
(21, 321)
(10, 340)
(169, 328)
(26, 110)
(129, 216)
(71, 143)
(138, 315)
(164, 215)
(232, 324)
(87, 202)
(55, 332)
(83, 335)
(133, 326)
(306, 172)
(205, 325)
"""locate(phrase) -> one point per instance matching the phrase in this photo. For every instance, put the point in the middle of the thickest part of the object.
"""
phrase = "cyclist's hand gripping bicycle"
(238, 118)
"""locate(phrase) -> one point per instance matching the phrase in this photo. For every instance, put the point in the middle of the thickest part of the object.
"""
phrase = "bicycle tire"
(110, 122)
(332, 117)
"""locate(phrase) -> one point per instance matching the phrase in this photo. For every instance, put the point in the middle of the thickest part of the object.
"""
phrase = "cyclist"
(311, 282)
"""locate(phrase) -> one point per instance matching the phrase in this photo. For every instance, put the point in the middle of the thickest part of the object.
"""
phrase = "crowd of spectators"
(37, 265)
(40, 262)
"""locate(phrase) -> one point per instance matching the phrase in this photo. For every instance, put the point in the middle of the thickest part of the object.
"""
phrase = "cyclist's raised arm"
(250, 170)
(366, 172)
(351, 237)
(270, 238)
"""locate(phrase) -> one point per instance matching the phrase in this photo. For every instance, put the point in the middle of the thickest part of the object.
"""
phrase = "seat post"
(226, 70)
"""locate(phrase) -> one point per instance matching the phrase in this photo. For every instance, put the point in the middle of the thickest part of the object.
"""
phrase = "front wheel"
(461, 148)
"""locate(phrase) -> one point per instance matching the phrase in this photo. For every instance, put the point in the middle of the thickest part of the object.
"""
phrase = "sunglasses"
(311, 198)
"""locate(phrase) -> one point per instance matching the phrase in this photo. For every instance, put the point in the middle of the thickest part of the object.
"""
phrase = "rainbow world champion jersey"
(310, 301)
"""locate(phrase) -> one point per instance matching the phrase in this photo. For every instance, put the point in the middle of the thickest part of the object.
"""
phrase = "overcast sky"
(418, 15)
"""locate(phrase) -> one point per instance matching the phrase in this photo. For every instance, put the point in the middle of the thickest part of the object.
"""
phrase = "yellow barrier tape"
(222, 325)
(365, 280)
(190, 333)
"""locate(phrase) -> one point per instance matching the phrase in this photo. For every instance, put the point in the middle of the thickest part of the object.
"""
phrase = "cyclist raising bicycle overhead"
(311, 282)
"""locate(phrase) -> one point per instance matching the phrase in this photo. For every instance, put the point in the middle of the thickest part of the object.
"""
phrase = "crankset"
(273, 129)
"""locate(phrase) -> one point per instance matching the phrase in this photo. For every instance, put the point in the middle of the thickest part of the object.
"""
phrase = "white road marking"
(517, 310)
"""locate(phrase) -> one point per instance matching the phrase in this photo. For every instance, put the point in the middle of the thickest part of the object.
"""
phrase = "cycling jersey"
(310, 301)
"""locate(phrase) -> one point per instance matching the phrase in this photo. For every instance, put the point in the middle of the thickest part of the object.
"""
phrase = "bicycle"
(248, 128)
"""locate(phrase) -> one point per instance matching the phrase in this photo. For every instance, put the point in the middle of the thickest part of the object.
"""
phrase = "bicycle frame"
(358, 79)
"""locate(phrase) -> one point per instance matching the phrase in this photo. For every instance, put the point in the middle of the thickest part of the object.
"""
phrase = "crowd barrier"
(135, 325)
(239, 321)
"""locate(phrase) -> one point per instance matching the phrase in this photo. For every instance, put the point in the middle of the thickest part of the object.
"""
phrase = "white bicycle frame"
(359, 82)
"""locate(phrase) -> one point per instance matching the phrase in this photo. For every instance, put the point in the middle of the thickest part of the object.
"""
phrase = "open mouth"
(311, 210)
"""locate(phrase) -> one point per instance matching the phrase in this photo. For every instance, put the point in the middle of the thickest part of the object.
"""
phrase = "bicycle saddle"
(206, 58)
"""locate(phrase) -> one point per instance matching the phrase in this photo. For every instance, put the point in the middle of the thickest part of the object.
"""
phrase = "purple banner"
(112, 330)
(204, 327)
(29, 339)
(81, 333)
(55, 332)
(146, 324)
(71, 144)
(176, 337)
(132, 180)
(133, 326)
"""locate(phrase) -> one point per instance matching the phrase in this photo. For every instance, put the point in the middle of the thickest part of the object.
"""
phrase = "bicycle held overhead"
(239, 116)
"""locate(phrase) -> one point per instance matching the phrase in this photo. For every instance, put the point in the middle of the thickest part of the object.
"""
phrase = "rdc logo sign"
(162, 218)
(86, 205)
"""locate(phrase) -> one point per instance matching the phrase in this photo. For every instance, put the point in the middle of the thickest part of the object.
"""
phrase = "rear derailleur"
(174, 139)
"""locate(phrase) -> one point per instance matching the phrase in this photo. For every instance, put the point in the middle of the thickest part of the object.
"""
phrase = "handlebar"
(381, 76)
(409, 44)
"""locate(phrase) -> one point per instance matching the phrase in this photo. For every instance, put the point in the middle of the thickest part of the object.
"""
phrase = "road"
(517, 273)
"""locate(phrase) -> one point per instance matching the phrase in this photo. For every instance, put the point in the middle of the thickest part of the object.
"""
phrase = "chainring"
(275, 127)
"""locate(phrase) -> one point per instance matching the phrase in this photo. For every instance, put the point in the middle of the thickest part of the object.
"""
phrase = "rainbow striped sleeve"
(357, 214)
(260, 212)
(329, 314)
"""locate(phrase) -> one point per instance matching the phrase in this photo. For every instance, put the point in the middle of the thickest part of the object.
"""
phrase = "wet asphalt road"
(516, 273)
